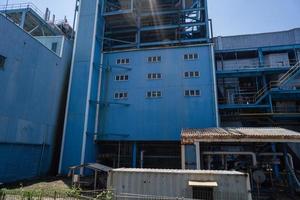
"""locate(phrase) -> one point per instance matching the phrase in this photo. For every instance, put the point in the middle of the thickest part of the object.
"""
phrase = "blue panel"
(32, 92)
(78, 146)
(158, 119)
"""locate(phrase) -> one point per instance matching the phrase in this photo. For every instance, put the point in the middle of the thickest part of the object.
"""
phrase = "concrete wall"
(159, 119)
(175, 183)
(290, 37)
(32, 93)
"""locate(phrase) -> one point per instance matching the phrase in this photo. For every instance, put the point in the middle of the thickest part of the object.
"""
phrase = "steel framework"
(149, 23)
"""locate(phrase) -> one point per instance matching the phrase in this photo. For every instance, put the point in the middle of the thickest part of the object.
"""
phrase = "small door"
(203, 193)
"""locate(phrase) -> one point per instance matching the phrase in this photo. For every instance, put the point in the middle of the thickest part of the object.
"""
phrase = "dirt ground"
(48, 183)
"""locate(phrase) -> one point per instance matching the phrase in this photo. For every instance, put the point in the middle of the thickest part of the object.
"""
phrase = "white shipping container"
(225, 185)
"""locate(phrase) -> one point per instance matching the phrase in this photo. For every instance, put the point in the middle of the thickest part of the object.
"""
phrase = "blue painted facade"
(139, 118)
(33, 83)
(94, 115)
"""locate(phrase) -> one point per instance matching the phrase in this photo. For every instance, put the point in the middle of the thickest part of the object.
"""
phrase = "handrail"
(21, 6)
(271, 85)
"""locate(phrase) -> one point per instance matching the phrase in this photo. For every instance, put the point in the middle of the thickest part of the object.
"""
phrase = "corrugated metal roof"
(189, 136)
(177, 171)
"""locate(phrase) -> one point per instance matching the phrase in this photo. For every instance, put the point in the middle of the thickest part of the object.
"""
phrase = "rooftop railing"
(29, 5)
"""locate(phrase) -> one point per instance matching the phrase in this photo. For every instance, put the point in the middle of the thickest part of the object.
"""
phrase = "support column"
(23, 18)
(197, 145)
(261, 57)
(182, 156)
(133, 164)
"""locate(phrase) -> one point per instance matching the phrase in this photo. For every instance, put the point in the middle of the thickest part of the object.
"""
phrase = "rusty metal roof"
(189, 136)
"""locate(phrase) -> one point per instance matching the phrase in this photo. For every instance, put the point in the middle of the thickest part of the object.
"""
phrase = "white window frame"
(191, 56)
(123, 76)
(123, 95)
(194, 91)
(154, 59)
(152, 75)
(122, 61)
(154, 94)
(191, 74)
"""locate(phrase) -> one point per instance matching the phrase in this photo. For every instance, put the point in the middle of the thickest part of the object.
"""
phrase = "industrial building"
(144, 70)
(35, 57)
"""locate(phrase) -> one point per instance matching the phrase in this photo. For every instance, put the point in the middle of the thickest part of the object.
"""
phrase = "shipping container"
(188, 184)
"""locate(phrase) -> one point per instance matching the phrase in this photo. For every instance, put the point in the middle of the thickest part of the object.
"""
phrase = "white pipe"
(197, 146)
(183, 156)
(254, 160)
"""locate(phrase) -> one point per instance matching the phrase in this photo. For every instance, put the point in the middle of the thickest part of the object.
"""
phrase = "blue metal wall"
(89, 113)
(31, 92)
(159, 119)
(77, 144)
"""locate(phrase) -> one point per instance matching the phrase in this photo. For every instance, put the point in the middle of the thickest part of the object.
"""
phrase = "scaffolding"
(152, 23)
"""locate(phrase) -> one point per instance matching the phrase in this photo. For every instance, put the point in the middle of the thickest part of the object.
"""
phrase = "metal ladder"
(275, 84)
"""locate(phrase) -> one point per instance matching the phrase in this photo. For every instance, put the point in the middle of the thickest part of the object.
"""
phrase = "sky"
(230, 17)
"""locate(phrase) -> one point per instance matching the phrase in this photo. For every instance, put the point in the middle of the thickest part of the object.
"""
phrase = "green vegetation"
(30, 194)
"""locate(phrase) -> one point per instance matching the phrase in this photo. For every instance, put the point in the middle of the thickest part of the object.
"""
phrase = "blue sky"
(230, 17)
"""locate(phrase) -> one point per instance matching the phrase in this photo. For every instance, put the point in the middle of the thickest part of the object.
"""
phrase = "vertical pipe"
(182, 156)
(260, 58)
(197, 145)
(133, 164)
(275, 166)
(289, 176)
(95, 180)
(119, 152)
(142, 159)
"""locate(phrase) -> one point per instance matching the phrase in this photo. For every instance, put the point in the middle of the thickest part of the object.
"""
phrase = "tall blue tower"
(142, 71)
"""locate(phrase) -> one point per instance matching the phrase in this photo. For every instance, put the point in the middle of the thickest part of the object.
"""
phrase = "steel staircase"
(285, 78)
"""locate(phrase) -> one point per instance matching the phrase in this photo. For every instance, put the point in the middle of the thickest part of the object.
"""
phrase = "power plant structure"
(151, 87)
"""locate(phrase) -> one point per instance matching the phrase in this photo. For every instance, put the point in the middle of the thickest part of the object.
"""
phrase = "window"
(154, 59)
(154, 94)
(2, 61)
(122, 61)
(191, 56)
(121, 77)
(194, 74)
(120, 95)
(192, 93)
(54, 46)
(154, 76)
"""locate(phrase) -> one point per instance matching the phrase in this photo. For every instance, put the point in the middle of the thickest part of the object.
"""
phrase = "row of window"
(156, 76)
(157, 94)
(121, 77)
(156, 59)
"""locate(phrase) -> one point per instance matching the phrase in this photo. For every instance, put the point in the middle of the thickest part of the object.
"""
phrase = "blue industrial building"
(144, 70)
(259, 80)
(34, 67)
(141, 72)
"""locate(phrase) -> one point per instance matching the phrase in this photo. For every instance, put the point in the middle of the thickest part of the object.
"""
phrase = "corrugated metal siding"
(189, 135)
(169, 184)
(289, 37)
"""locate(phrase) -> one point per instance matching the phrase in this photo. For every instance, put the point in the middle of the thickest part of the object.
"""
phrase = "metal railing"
(239, 99)
(21, 6)
(256, 65)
